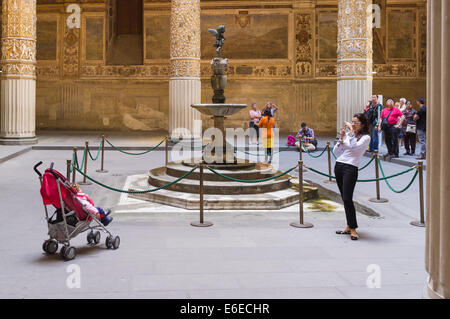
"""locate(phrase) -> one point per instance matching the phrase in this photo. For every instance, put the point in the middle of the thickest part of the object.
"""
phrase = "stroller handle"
(36, 170)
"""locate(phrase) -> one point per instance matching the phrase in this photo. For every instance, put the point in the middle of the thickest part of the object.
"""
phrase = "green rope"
(128, 153)
(136, 192)
(363, 180)
(262, 154)
(360, 169)
(313, 156)
(389, 185)
(82, 160)
(332, 153)
(98, 153)
(251, 181)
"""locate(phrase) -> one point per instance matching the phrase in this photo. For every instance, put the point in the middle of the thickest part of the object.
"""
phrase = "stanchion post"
(301, 156)
(69, 163)
(301, 224)
(202, 223)
(167, 150)
(378, 199)
(86, 151)
(102, 169)
(75, 165)
(329, 180)
(421, 222)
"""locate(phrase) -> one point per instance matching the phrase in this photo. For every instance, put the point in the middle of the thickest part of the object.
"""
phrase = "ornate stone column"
(354, 69)
(18, 95)
(184, 85)
(437, 253)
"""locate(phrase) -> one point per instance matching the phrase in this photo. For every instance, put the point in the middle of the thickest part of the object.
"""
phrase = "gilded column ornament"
(354, 39)
(18, 63)
(354, 58)
(185, 38)
(184, 84)
(19, 39)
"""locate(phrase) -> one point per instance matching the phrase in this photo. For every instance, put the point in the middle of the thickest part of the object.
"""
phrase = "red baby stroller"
(70, 218)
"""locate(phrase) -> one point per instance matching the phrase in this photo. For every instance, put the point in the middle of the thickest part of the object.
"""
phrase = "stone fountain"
(221, 193)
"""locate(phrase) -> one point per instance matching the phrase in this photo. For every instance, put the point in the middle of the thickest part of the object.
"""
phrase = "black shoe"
(341, 232)
(394, 156)
(108, 211)
(354, 237)
(407, 153)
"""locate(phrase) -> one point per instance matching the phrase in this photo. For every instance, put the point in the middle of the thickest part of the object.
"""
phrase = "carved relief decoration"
(185, 38)
(354, 39)
(71, 52)
(19, 38)
(304, 45)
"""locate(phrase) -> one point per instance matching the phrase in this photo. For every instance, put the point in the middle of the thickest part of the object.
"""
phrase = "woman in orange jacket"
(267, 123)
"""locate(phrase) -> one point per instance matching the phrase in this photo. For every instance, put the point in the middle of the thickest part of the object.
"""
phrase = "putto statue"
(220, 39)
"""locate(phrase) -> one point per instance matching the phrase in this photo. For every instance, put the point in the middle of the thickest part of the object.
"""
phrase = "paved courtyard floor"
(246, 254)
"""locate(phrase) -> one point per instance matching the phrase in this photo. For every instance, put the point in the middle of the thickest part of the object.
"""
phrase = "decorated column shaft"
(18, 63)
(437, 251)
(354, 69)
(185, 85)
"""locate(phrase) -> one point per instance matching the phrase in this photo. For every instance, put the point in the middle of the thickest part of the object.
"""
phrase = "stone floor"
(246, 254)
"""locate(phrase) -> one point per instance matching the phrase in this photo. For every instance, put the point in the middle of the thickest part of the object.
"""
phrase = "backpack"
(370, 113)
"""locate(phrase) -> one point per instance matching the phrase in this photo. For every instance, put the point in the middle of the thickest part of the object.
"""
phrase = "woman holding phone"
(353, 142)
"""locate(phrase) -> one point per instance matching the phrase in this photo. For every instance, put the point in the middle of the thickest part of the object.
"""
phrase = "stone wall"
(282, 51)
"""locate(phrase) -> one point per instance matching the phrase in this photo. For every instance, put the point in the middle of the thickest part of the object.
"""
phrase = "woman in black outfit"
(350, 149)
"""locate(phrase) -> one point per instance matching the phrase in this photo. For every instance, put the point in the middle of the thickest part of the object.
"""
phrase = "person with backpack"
(373, 113)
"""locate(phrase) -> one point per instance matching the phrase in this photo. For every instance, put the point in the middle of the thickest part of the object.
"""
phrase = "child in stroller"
(89, 205)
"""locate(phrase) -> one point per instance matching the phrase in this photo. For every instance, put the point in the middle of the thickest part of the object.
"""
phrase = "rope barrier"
(262, 154)
(368, 163)
(98, 153)
(136, 192)
(82, 160)
(389, 185)
(313, 156)
(251, 181)
(364, 180)
(129, 153)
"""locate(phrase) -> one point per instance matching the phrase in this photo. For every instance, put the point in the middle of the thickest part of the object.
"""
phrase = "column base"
(18, 140)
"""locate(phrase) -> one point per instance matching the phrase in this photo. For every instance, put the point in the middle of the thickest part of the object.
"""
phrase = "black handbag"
(384, 121)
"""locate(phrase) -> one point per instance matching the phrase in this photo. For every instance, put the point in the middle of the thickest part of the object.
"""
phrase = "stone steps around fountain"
(265, 201)
(158, 178)
(178, 170)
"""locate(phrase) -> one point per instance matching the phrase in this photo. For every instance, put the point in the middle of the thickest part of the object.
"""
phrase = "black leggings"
(346, 176)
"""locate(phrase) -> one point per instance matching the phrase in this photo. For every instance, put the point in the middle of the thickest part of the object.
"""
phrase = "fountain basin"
(218, 109)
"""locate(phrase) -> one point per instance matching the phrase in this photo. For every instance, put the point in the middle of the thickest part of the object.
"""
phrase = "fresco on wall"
(248, 36)
(157, 41)
(401, 34)
(327, 36)
(46, 32)
(94, 38)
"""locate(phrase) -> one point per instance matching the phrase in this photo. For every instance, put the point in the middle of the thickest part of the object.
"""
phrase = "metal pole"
(301, 224)
(86, 150)
(330, 180)
(301, 156)
(69, 163)
(377, 175)
(102, 170)
(167, 151)
(421, 222)
(75, 165)
(202, 223)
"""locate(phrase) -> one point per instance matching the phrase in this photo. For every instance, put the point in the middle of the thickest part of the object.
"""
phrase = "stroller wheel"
(116, 242)
(70, 253)
(90, 237)
(44, 246)
(52, 247)
(62, 251)
(109, 242)
(97, 237)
